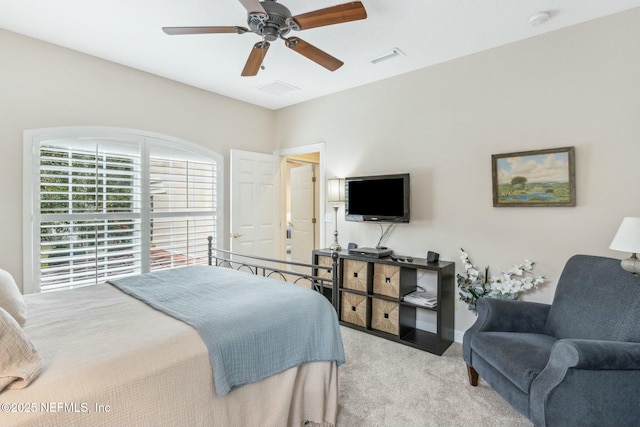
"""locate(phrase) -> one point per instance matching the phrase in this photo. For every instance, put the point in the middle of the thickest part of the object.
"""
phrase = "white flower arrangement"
(507, 285)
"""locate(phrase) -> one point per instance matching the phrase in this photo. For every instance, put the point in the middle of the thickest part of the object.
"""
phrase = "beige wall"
(42, 85)
(577, 87)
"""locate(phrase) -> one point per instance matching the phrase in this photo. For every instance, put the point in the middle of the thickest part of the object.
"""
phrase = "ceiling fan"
(271, 20)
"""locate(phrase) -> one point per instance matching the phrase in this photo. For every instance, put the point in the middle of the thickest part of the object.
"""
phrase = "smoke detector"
(539, 18)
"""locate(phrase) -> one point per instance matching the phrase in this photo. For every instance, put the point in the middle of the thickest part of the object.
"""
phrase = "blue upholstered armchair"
(575, 362)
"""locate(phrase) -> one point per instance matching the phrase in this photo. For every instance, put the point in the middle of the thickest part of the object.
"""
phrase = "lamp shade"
(335, 190)
(627, 239)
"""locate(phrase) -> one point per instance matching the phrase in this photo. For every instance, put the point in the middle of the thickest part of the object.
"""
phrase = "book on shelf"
(422, 298)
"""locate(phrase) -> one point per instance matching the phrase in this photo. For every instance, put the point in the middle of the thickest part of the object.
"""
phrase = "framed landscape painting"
(534, 178)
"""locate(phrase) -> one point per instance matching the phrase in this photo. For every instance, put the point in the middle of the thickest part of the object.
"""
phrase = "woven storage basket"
(386, 280)
(324, 261)
(354, 309)
(355, 275)
(385, 316)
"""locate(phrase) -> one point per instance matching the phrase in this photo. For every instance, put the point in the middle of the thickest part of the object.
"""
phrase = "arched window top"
(110, 202)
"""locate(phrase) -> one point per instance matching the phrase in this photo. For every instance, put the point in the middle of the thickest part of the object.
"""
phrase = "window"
(107, 203)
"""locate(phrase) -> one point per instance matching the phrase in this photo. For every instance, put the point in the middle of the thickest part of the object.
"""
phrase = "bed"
(112, 359)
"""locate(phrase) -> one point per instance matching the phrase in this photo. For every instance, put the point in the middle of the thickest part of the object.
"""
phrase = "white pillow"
(11, 299)
(20, 362)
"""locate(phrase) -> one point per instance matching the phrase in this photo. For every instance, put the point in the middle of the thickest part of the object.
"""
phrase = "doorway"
(303, 201)
(301, 206)
(262, 220)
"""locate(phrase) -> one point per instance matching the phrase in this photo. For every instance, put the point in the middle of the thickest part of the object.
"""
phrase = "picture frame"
(538, 178)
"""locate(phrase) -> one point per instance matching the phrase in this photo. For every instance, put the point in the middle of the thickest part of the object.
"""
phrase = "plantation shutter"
(89, 213)
(109, 207)
(182, 210)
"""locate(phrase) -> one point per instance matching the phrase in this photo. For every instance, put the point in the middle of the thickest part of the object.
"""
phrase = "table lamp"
(627, 239)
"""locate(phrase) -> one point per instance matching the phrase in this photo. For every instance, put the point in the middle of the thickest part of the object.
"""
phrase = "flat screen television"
(383, 198)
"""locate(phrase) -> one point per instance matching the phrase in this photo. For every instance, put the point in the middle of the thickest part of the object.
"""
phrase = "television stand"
(369, 296)
(371, 252)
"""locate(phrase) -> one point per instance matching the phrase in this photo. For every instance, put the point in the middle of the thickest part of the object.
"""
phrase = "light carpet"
(384, 383)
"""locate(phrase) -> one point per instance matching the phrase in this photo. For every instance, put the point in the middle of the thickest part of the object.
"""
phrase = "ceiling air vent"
(278, 88)
(395, 52)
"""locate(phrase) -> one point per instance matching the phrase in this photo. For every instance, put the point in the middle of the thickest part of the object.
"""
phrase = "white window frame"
(32, 140)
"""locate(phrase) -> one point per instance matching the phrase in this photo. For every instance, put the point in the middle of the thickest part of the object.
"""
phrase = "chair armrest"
(596, 354)
(591, 380)
(500, 315)
(505, 316)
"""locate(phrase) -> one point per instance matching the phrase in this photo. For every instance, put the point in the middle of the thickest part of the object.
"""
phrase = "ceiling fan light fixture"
(270, 33)
(393, 53)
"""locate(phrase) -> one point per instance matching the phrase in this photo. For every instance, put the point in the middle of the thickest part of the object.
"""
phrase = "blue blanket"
(252, 326)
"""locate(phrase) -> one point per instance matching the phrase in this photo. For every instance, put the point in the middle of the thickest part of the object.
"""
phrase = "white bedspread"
(110, 360)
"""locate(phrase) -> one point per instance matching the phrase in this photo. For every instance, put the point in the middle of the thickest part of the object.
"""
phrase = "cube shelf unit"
(368, 297)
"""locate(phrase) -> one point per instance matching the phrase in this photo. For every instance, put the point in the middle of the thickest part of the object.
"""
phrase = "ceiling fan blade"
(255, 59)
(331, 15)
(172, 31)
(253, 6)
(313, 53)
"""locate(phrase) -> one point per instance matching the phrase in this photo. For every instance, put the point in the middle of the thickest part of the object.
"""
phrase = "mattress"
(112, 360)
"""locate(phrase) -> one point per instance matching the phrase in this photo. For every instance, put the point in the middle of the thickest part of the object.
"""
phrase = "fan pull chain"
(262, 67)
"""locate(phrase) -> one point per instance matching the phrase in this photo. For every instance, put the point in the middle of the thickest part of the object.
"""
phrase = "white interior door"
(302, 225)
(255, 203)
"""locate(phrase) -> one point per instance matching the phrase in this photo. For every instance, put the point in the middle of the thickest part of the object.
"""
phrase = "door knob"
(236, 235)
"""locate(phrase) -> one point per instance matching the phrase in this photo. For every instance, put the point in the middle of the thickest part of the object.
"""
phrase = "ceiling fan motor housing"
(277, 23)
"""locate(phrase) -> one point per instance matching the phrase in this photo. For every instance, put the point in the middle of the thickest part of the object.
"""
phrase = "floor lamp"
(335, 195)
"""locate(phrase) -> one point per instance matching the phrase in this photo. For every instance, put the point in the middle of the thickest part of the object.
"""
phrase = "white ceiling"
(426, 31)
